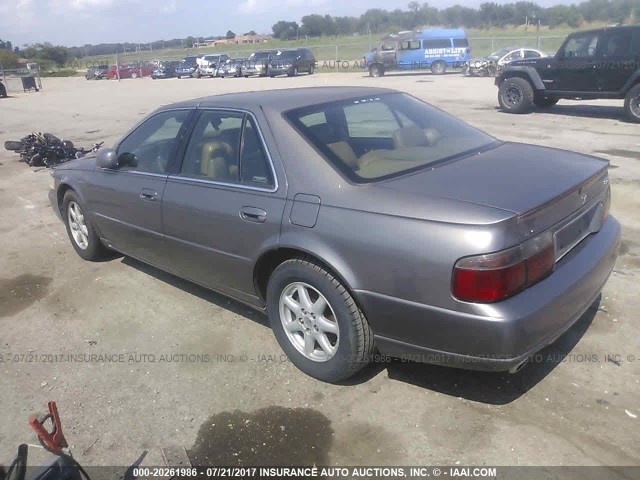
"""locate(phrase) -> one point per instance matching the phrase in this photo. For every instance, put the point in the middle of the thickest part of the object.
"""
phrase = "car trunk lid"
(541, 185)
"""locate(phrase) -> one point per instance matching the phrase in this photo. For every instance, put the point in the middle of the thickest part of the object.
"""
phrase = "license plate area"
(570, 235)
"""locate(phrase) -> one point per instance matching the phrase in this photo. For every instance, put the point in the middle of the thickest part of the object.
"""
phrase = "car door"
(224, 204)
(126, 202)
(617, 59)
(574, 68)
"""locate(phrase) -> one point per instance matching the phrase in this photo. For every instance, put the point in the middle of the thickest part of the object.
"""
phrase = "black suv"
(96, 72)
(291, 62)
(602, 63)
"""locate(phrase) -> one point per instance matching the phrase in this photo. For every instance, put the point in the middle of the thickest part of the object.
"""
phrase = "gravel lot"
(245, 405)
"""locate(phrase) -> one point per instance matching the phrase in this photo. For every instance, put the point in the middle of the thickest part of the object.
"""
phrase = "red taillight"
(496, 276)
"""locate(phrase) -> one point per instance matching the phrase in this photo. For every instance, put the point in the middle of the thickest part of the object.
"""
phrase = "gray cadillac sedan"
(361, 220)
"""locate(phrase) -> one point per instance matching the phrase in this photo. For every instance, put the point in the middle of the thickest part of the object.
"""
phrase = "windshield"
(499, 54)
(383, 136)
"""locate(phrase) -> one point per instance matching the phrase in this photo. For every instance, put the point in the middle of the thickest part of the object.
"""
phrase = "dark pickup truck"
(594, 64)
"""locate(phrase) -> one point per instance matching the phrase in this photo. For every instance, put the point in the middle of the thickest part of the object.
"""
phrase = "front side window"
(581, 45)
(410, 45)
(150, 146)
(385, 135)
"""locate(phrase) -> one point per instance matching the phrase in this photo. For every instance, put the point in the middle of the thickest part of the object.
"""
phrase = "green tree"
(285, 30)
(251, 32)
(8, 58)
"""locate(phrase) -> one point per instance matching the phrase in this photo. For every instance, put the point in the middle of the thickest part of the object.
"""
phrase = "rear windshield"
(287, 54)
(379, 137)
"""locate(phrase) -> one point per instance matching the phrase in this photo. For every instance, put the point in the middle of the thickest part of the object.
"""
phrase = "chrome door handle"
(148, 195)
(253, 214)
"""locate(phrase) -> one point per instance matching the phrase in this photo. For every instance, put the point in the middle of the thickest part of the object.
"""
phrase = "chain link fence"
(20, 80)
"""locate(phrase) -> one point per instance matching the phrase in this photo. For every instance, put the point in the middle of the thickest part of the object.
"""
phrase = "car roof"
(283, 99)
(607, 28)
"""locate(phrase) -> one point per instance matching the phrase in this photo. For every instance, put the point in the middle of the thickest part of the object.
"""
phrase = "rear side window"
(410, 45)
(618, 44)
(460, 42)
(436, 43)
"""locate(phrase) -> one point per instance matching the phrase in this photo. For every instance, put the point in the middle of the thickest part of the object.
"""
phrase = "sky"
(79, 22)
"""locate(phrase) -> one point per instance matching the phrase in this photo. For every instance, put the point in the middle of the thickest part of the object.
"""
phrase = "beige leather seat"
(218, 161)
(413, 136)
(345, 153)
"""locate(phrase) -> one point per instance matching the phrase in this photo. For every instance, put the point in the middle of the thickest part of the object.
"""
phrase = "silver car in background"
(358, 219)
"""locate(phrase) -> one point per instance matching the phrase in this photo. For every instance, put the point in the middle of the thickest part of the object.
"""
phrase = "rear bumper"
(508, 332)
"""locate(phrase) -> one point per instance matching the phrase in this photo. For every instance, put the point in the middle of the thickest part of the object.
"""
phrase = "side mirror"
(106, 158)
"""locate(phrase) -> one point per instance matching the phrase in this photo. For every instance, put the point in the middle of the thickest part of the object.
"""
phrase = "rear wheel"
(438, 68)
(134, 75)
(376, 70)
(311, 69)
(515, 95)
(316, 321)
(632, 104)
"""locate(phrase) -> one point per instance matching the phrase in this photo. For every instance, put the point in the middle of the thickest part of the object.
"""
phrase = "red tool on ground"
(53, 441)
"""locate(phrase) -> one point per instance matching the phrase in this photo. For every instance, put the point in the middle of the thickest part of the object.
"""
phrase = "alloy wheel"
(309, 321)
(79, 230)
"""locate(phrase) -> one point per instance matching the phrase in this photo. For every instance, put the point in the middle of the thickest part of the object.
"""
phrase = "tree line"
(376, 21)
(487, 15)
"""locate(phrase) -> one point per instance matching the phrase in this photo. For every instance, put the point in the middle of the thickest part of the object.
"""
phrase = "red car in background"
(129, 71)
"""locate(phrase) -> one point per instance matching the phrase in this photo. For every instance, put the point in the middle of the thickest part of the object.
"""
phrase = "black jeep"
(602, 63)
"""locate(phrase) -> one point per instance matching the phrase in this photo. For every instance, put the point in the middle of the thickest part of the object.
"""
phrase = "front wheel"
(632, 104)
(515, 95)
(312, 69)
(316, 321)
(134, 75)
(376, 70)
(83, 236)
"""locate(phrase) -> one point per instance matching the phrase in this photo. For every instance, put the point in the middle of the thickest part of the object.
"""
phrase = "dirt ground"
(223, 391)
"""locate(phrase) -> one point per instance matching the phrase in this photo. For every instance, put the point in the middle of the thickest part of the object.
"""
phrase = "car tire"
(81, 232)
(339, 324)
(178, 77)
(3, 91)
(134, 75)
(312, 69)
(632, 104)
(376, 70)
(515, 95)
(438, 67)
(545, 102)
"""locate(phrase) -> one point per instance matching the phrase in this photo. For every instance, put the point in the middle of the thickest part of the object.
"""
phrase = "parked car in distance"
(165, 69)
(485, 251)
(129, 71)
(599, 63)
(233, 67)
(258, 62)
(435, 49)
(291, 61)
(490, 65)
(208, 64)
(97, 72)
(187, 66)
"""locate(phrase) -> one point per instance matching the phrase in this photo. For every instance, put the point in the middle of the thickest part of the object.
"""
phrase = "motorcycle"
(47, 150)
